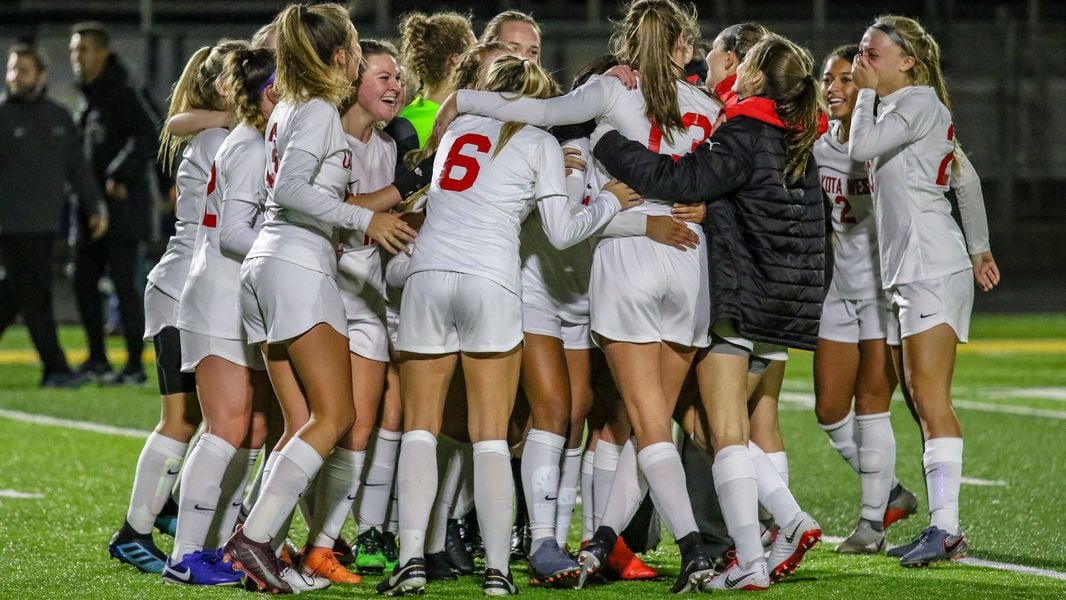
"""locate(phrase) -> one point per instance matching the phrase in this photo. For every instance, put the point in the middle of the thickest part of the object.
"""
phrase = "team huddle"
(435, 291)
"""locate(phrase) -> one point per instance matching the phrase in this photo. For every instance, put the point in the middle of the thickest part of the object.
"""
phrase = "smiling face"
(87, 57)
(522, 39)
(894, 69)
(379, 87)
(839, 89)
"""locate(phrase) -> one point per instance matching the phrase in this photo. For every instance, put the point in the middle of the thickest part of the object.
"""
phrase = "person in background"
(40, 163)
(119, 143)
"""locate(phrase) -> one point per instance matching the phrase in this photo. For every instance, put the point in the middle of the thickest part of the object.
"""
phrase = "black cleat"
(258, 561)
(408, 579)
(455, 550)
(438, 569)
(498, 584)
(593, 557)
(696, 568)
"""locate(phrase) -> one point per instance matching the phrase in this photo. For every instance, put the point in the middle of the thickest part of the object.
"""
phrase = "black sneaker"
(258, 561)
(498, 584)
(96, 368)
(455, 550)
(593, 556)
(438, 569)
(67, 380)
(125, 377)
(408, 579)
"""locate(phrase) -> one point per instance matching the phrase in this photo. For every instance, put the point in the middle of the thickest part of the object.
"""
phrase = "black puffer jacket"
(766, 240)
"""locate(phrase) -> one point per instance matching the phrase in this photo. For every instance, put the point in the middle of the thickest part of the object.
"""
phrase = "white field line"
(988, 564)
(983, 482)
(20, 495)
(1047, 393)
(806, 400)
(26, 417)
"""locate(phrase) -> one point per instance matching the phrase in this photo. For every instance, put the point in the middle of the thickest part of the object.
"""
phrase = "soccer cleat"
(369, 556)
(793, 541)
(408, 579)
(95, 369)
(343, 550)
(198, 568)
(391, 551)
(935, 545)
(863, 540)
(126, 376)
(322, 562)
(167, 519)
(289, 556)
(438, 569)
(549, 565)
(520, 541)
(498, 584)
(901, 551)
(299, 582)
(627, 565)
(258, 561)
(901, 505)
(471, 532)
(754, 577)
(455, 550)
(696, 573)
(593, 556)
(137, 549)
(65, 380)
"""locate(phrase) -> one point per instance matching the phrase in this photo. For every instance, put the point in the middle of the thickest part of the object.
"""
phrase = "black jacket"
(40, 165)
(120, 142)
(766, 240)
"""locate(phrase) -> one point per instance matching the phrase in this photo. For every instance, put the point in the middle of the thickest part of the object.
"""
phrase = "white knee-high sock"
(464, 495)
(377, 483)
(564, 507)
(229, 502)
(603, 477)
(943, 476)
(200, 492)
(588, 521)
(774, 495)
(780, 462)
(494, 498)
(157, 469)
(449, 474)
(295, 467)
(337, 484)
(843, 437)
(416, 486)
(738, 495)
(540, 481)
(877, 464)
(627, 490)
(661, 465)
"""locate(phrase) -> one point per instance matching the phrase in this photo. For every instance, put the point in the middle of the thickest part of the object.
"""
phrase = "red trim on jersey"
(210, 220)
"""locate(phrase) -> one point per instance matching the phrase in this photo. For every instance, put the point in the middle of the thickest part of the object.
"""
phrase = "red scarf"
(765, 110)
(724, 90)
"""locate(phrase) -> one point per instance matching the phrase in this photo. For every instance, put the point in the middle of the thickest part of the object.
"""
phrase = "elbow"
(858, 153)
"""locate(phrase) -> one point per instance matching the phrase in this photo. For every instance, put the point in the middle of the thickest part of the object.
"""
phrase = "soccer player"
(727, 52)
(758, 165)
(648, 302)
(852, 359)
(462, 300)
(927, 268)
(289, 296)
(516, 30)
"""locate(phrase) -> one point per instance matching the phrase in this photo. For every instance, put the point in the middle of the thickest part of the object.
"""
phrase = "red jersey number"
(456, 158)
(942, 174)
(688, 120)
(273, 171)
(845, 211)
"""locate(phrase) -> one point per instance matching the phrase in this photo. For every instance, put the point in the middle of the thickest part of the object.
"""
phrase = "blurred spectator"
(40, 163)
(120, 144)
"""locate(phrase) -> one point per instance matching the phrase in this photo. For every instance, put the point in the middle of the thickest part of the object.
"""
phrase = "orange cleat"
(322, 562)
(627, 565)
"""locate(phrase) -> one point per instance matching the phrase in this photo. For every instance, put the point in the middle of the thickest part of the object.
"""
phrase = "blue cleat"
(201, 568)
(137, 549)
(549, 565)
(167, 519)
(935, 545)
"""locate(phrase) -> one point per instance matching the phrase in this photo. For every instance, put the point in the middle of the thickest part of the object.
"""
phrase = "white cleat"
(755, 577)
(301, 582)
(793, 541)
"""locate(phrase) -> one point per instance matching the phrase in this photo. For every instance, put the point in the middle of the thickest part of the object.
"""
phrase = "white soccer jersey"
(299, 227)
(606, 99)
(480, 194)
(360, 275)
(210, 302)
(909, 147)
(191, 181)
(856, 266)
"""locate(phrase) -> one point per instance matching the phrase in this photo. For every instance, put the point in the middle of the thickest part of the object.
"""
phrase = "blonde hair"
(492, 28)
(308, 36)
(428, 42)
(244, 80)
(523, 78)
(787, 80)
(261, 35)
(468, 72)
(195, 89)
(645, 39)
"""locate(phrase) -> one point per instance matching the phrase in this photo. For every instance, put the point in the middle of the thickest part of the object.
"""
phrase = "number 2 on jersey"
(845, 210)
(688, 120)
(942, 174)
(469, 164)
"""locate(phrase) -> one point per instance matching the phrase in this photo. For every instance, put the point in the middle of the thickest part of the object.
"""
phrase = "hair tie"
(892, 34)
(269, 81)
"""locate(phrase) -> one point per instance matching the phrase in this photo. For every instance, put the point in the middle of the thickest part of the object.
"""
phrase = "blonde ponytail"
(307, 38)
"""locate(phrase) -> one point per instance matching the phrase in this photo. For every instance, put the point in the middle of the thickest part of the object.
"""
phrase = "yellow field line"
(1000, 346)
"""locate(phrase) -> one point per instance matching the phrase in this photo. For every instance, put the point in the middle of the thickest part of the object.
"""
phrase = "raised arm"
(870, 139)
(708, 172)
(196, 120)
